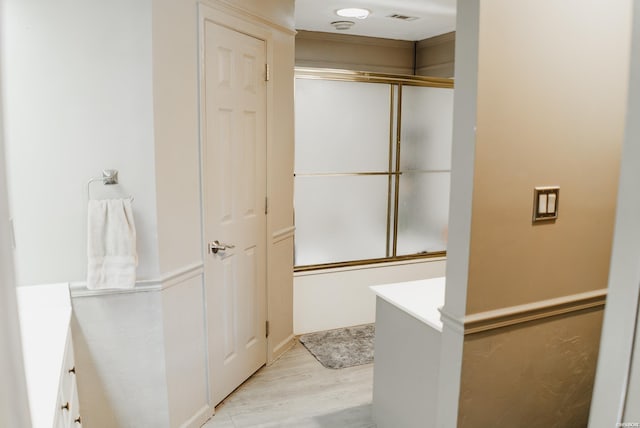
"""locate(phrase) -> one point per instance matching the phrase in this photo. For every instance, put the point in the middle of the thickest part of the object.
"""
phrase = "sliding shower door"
(341, 167)
(425, 166)
(372, 168)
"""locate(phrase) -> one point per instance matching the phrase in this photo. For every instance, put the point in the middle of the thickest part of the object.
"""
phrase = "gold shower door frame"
(395, 82)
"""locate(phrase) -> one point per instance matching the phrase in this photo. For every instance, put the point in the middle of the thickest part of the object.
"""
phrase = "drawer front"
(63, 409)
(61, 418)
(68, 375)
(76, 419)
(68, 412)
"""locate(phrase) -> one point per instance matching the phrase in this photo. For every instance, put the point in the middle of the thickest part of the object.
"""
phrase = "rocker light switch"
(551, 202)
(545, 203)
(542, 203)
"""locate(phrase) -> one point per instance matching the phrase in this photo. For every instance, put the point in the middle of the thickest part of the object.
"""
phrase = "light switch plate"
(545, 203)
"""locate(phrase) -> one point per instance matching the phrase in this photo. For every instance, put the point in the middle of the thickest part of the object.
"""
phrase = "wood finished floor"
(298, 392)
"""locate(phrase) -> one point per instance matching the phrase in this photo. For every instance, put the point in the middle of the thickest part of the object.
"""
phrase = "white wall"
(335, 298)
(14, 409)
(78, 100)
(120, 361)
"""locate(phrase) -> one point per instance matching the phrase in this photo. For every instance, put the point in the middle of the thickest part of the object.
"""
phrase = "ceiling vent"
(402, 17)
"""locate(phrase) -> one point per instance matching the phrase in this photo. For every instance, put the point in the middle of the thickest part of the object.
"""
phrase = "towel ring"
(109, 177)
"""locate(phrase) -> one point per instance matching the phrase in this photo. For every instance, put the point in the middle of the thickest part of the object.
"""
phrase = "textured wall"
(534, 375)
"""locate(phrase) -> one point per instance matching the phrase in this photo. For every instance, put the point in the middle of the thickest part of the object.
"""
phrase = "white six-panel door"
(234, 174)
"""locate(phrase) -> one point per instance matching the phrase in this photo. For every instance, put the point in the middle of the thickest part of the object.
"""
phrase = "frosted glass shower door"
(340, 218)
(372, 169)
(341, 127)
(341, 170)
(425, 162)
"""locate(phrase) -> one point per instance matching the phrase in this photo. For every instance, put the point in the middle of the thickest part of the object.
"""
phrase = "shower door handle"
(216, 246)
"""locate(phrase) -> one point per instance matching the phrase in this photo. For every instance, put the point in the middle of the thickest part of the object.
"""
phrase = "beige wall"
(430, 57)
(344, 51)
(547, 114)
(435, 56)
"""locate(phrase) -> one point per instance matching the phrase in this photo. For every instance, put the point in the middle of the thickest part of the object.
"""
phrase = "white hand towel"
(111, 244)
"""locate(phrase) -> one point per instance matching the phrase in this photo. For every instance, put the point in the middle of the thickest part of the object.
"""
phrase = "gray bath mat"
(343, 347)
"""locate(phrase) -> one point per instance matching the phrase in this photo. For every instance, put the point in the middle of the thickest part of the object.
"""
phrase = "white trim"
(199, 418)
(181, 275)
(79, 288)
(451, 322)
(618, 329)
(282, 234)
(512, 315)
(420, 299)
(167, 280)
(237, 12)
(460, 208)
(281, 348)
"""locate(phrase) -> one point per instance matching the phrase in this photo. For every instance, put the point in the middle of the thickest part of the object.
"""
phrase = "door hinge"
(266, 205)
(266, 327)
(267, 72)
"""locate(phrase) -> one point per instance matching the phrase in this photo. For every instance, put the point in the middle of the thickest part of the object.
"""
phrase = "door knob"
(216, 246)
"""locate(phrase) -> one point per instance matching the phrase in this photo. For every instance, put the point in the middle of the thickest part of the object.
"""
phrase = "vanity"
(407, 353)
(47, 347)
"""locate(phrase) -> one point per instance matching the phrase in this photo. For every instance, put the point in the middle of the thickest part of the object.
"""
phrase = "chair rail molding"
(520, 314)
(163, 282)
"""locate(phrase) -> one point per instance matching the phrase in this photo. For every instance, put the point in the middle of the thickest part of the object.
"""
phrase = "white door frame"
(619, 331)
(250, 25)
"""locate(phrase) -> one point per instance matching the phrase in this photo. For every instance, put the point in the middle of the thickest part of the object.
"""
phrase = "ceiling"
(434, 17)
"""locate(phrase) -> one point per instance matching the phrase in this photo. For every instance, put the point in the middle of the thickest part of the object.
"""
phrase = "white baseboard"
(198, 419)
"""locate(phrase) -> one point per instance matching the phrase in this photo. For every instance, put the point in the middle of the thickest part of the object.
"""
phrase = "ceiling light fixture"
(353, 12)
(342, 25)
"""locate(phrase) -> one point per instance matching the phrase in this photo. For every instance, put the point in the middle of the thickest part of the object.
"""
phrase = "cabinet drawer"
(68, 409)
(76, 419)
(68, 374)
(63, 409)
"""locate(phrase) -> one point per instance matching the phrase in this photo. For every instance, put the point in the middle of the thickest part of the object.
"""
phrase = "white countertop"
(45, 312)
(420, 299)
